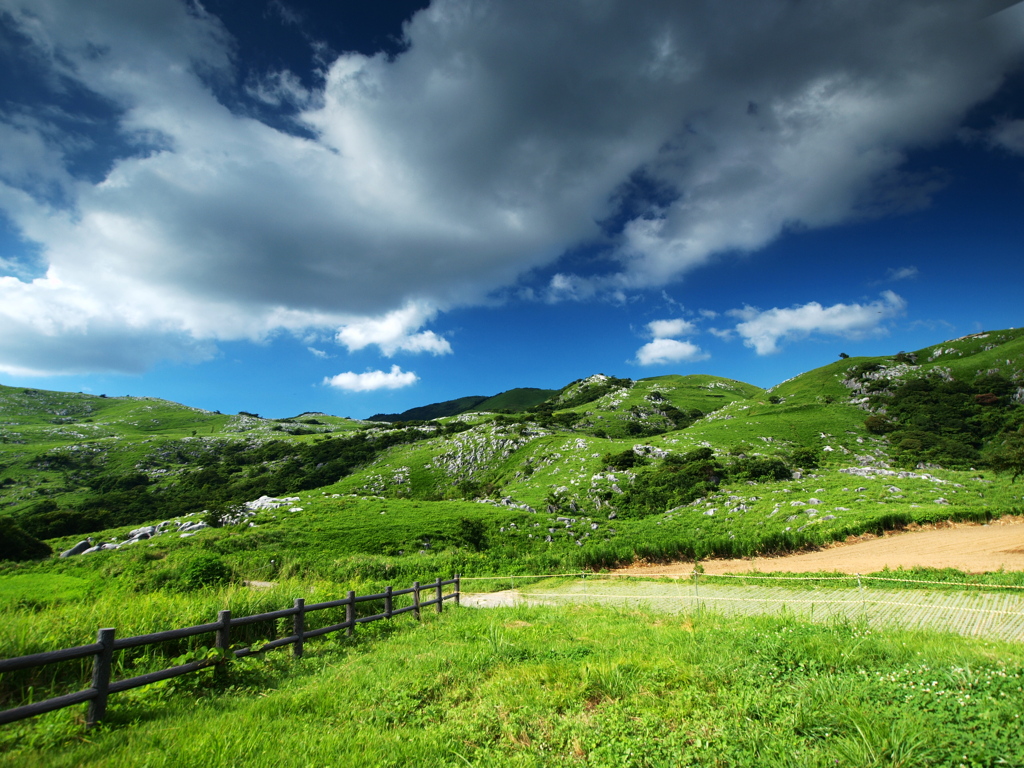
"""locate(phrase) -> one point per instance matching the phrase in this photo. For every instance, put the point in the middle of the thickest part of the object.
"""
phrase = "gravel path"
(998, 614)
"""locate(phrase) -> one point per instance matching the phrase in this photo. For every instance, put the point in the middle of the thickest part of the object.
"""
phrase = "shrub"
(805, 457)
(15, 544)
(760, 469)
(623, 461)
(203, 569)
(878, 425)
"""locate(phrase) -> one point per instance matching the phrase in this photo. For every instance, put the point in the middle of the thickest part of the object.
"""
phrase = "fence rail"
(106, 644)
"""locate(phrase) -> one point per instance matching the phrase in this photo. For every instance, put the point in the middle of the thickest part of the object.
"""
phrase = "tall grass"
(582, 686)
(30, 630)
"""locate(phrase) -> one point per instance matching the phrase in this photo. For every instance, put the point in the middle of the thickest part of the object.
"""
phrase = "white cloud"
(665, 349)
(393, 332)
(277, 88)
(764, 330)
(372, 380)
(661, 351)
(1009, 134)
(903, 273)
(666, 329)
(431, 178)
(319, 353)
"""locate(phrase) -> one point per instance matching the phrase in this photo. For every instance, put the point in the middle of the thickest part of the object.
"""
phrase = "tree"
(1008, 458)
(843, 356)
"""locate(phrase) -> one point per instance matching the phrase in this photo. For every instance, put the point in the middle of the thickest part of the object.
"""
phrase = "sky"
(282, 206)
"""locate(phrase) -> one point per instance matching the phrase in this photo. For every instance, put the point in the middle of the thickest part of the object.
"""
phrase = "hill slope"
(603, 471)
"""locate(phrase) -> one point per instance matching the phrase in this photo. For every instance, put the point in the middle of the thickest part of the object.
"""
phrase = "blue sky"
(355, 208)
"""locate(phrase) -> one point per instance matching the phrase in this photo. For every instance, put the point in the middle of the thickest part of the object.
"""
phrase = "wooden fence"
(103, 649)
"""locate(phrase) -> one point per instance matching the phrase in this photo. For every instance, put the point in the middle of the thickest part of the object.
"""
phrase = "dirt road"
(971, 548)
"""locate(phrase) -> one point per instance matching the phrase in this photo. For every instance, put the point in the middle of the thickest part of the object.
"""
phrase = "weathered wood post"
(387, 602)
(416, 601)
(350, 614)
(299, 626)
(223, 641)
(440, 595)
(101, 677)
(457, 589)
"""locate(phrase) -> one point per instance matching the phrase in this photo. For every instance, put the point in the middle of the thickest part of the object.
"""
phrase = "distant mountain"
(519, 399)
(433, 411)
(516, 400)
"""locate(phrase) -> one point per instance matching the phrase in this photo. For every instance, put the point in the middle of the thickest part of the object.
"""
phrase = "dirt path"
(970, 548)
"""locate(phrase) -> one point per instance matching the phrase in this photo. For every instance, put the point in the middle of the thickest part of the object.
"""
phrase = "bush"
(805, 457)
(15, 544)
(677, 481)
(623, 461)
(760, 469)
(878, 425)
(203, 569)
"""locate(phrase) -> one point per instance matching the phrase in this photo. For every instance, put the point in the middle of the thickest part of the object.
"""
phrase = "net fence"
(973, 610)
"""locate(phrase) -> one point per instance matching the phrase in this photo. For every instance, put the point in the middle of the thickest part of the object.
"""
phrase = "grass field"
(559, 489)
(573, 687)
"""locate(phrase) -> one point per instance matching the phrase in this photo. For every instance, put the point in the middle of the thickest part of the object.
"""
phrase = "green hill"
(649, 468)
(519, 399)
(604, 471)
(432, 411)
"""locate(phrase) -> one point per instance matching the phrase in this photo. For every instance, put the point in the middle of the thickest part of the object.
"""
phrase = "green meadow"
(576, 686)
(602, 473)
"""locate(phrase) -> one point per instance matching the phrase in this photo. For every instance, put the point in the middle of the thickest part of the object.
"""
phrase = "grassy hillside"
(519, 399)
(432, 411)
(614, 455)
(602, 472)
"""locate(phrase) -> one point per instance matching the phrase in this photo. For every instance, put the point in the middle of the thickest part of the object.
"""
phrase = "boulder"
(78, 549)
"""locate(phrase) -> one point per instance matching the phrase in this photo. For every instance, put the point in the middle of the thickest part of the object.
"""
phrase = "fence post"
(387, 602)
(440, 595)
(416, 601)
(458, 588)
(224, 631)
(101, 677)
(223, 641)
(696, 589)
(350, 614)
(299, 626)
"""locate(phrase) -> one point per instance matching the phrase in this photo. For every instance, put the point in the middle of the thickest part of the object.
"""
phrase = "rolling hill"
(602, 471)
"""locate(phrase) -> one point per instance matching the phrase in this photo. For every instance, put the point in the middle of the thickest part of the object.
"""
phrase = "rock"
(612, 515)
(78, 549)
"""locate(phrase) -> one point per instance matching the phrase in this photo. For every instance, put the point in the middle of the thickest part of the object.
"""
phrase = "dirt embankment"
(964, 546)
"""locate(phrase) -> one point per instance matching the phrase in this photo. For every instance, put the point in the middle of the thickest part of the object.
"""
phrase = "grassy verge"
(574, 687)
